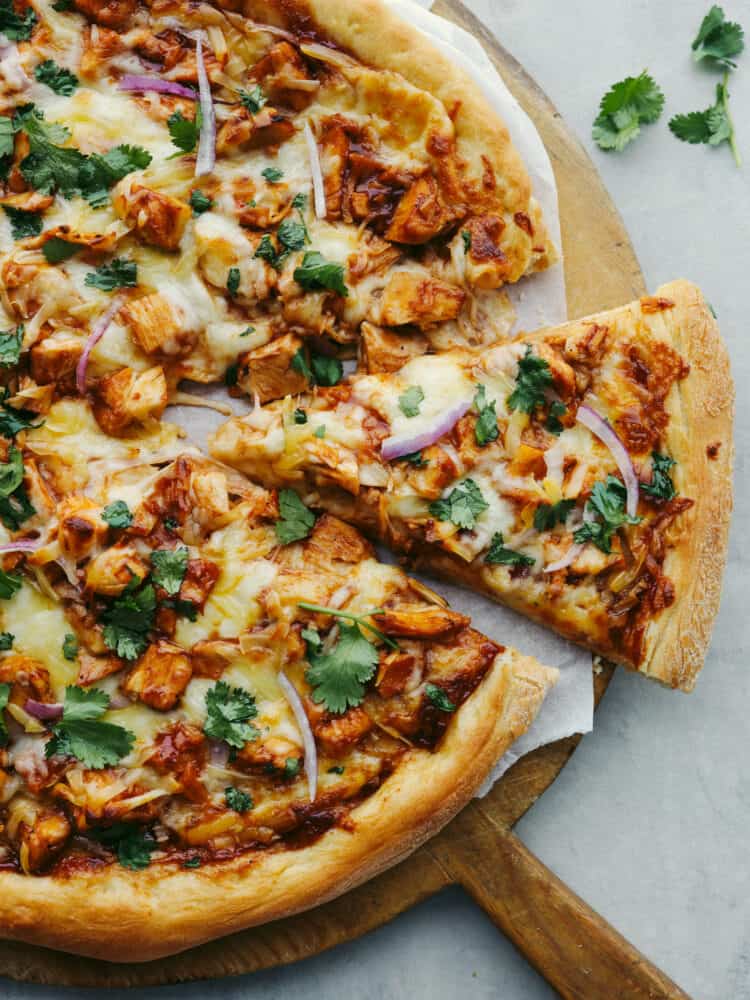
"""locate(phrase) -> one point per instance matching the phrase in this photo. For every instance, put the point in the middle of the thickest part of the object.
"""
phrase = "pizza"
(580, 474)
(193, 193)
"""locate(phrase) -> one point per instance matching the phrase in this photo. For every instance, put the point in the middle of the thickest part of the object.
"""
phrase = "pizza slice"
(207, 195)
(579, 474)
(216, 708)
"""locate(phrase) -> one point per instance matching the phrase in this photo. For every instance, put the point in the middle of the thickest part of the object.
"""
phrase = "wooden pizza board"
(476, 850)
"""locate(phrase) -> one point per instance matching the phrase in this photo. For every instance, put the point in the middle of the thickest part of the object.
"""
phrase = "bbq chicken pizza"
(217, 706)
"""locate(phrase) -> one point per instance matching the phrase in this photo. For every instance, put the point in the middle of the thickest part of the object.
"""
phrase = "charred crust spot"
(712, 450)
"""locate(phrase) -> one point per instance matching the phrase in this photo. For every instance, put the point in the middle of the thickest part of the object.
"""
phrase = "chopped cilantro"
(556, 411)
(231, 375)
(200, 202)
(410, 401)
(532, 380)
(81, 733)
(129, 618)
(171, 524)
(10, 583)
(546, 516)
(10, 346)
(348, 616)
(296, 521)
(299, 201)
(292, 235)
(194, 862)
(238, 800)
(316, 272)
(499, 554)
(607, 500)
(6, 641)
(4, 695)
(57, 78)
(7, 142)
(22, 223)
(117, 514)
(15, 506)
(16, 27)
(13, 420)
(325, 370)
(634, 101)
(299, 364)
(253, 99)
(299, 416)
(168, 568)
(70, 646)
(320, 432)
(272, 174)
(291, 767)
(661, 486)
(184, 131)
(338, 676)
(229, 711)
(439, 698)
(462, 506)
(413, 458)
(119, 273)
(485, 429)
(336, 769)
(132, 844)
(718, 40)
(247, 331)
(56, 250)
(233, 281)
(466, 237)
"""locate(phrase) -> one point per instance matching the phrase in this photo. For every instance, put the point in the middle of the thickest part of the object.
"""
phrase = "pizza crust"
(126, 916)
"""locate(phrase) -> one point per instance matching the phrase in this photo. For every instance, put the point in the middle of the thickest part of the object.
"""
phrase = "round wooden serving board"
(478, 849)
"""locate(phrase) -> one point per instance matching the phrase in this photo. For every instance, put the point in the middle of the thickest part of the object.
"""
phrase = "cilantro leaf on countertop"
(117, 514)
(710, 127)
(485, 429)
(718, 39)
(634, 101)
(661, 486)
(499, 554)
(315, 272)
(410, 401)
(129, 618)
(462, 506)
(296, 521)
(229, 711)
(607, 500)
(238, 800)
(118, 273)
(81, 733)
(23, 223)
(10, 346)
(57, 78)
(533, 379)
(168, 568)
(547, 515)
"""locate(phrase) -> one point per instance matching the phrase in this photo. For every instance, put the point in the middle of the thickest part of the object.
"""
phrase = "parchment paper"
(539, 301)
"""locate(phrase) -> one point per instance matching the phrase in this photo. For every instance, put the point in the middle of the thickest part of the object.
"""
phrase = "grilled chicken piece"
(113, 14)
(200, 579)
(160, 675)
(336, 734)
(156, 218)
(211, 657)
(29, 201)
(245, 130)
(80, 526)
(158, 326)
(39, 834)
(421, 214)
(95, 668)
(273, 752)
(126, 397)
(418, 298)
(111, 571)
(486, 264)
(267, 371)
(54, 359)
(386, 351)
(396, 671)
(418, 622)
(277, 71)
(28, 677)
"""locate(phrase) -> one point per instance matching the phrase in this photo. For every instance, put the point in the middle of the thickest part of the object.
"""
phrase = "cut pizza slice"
(355, 183)
(579, 474)
(216, 708)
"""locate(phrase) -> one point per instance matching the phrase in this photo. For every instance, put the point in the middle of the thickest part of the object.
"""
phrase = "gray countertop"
(649, 821)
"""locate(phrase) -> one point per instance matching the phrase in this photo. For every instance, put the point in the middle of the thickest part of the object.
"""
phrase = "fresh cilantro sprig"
(315, 272)
(129, 618)
(661, 486)
(10, 346)
(184, 132)
(13, 420)
(253, 99)
(16, 27)
(272, 174)
(70, 647)
(320, 370)
(439, 698)
(81, 733)
(132, 844)
(10, 584)
(634, 101)
(410, 401)
(338, 675)
(23, 224)
(168, 568)
(296, 521)
(229, 711)
(118, 273)
(547, 515)
(359, 620)
(533, 379)
(607, 502)
(117, 514)
(462, 506)
(711, 127)
(6, 641)
(4, 696)
(57, 78)
(498, 553)
(15, 506)
(238, 800)
(485, 429)
(718, 40)
(200, 202)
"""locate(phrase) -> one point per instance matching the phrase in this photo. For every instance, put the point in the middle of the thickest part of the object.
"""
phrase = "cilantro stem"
(358, 619)
(732, 134)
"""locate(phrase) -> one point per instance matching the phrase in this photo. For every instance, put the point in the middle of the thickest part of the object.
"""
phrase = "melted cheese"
(39, 627)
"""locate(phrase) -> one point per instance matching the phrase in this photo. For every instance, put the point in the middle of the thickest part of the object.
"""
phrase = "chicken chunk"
(156, 218)
(337, 734)
(126, 397)
(211, 657)
(40, 839)
(80, 526)
(54, 359)
(486, 264)
(415, 621)
(418, 298)
(267, 371)
(334, 541)
(160, 675)
(200, 579)
(421, 214)
(99, 45)
(273, 752)
(386, 351)
(244, 131)
(395, 672)
(158, 327)
(28, 677)
(277, 71)
(114, 14)
(111, 571)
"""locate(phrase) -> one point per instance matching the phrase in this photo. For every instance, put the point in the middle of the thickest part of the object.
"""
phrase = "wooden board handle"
(577, 951)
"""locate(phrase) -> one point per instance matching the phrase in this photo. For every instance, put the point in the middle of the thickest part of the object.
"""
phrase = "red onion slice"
(119, 700)
(21, 545)
(602, 429)
(206, 158)
(141, 84)
(219, 753)
(308, 740)
(96, 335)
(319, 193)
(570, 557)
(42, 710)
(394, 447)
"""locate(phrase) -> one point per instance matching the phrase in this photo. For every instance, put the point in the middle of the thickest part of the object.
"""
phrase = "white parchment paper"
(539, 301)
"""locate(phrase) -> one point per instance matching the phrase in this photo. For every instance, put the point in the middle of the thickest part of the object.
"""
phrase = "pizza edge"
(127, 916)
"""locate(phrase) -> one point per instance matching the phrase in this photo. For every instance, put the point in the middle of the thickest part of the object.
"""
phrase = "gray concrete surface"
(649, 822)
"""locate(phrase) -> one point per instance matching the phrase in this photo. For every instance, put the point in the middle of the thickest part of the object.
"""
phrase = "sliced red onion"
(317, 173)
(206, 158)
(570, 557)
(96, 335)
(119, 700)
(219, 753)
(602, 429)
(43, 710)
(394, 447)
(141, 84)
(21, 545)
(308, 740)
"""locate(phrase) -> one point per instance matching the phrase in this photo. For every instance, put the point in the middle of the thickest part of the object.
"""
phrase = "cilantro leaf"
(16, 27)
(292, 235)
(132, 844)
(200, 202)
(607, 500)
(272, 174)
(231, 375)
(413, 458)
(291, 767)
(184, 132)
(267, 251)
(168, 568)
(299, 416)
(238, 800)
(15, 506)
(128, 620)
(439, 698)
(661, 486)
(253, 99)
(466, 237)
(6, 641)
(7, 144)
(22, 223)
(82, 735)
(546, 516)
(556, 411)
(634, 101)
(57, 78)
(498, 553)
(462, 506)
(228, 713)
(233, 281)
(320, 432)
(316, 272)
(718, 39)
(13, 420)
(119, 273)
(485, 429)
(117, 514)
(57, 250)
(338, 676)
(10, 583)
(336, 769)
(4, 695)
(325, 370)
(10, 346)
(710, 127)
(70, 646)
(533, 379)
(296, 520)
(411, 400)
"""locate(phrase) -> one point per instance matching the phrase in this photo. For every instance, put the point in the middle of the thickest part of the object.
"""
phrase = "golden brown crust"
(127, 916)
